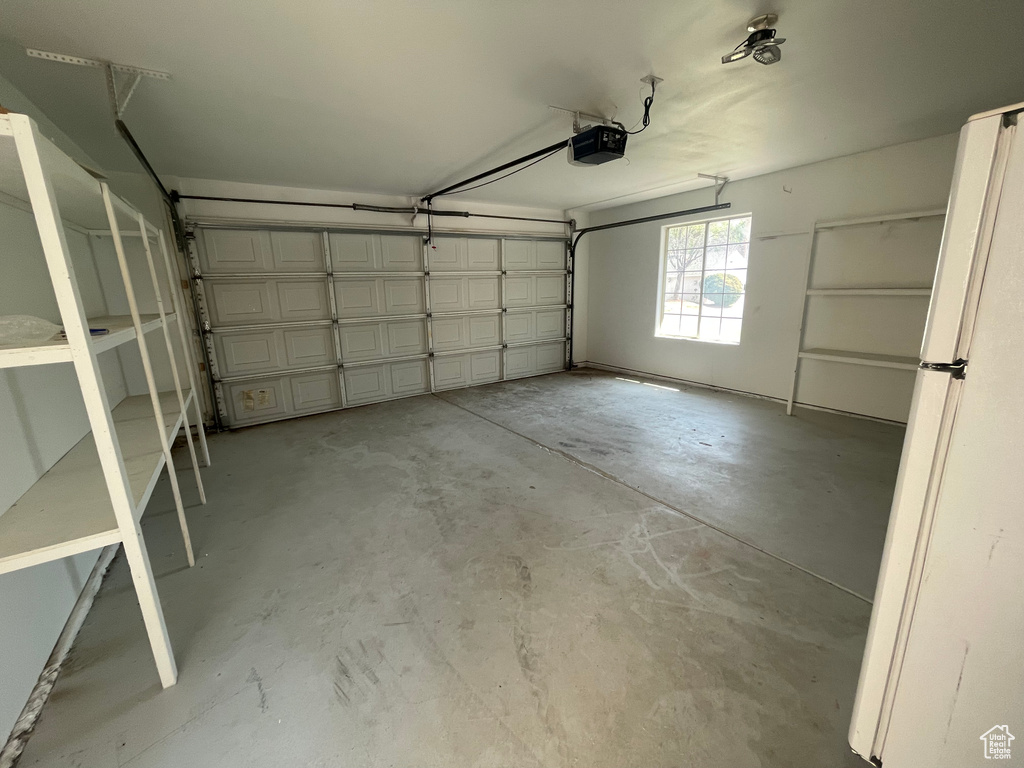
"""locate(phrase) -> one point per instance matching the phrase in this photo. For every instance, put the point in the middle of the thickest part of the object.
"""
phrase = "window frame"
(663, 276)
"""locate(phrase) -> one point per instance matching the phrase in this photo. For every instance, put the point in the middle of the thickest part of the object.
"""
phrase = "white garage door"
(300, 322)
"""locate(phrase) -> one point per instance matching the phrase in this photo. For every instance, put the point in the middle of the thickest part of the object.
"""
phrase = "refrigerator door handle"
(957, 369)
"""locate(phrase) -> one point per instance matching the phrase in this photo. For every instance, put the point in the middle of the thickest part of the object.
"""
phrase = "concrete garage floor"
(813, 489)
(409, 584)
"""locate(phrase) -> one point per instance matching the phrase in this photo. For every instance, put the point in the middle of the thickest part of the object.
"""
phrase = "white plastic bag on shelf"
(21, 329)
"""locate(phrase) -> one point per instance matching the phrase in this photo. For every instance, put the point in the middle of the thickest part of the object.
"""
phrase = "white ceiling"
(402, 97)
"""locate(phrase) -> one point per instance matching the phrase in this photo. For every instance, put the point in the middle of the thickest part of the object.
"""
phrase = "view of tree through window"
(704, 275)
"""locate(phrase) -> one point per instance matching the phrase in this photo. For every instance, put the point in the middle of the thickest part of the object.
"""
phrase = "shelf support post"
(182, 405)
(147, 366)
(803, 320)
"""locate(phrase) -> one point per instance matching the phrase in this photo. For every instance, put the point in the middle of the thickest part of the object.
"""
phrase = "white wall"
(624, 264)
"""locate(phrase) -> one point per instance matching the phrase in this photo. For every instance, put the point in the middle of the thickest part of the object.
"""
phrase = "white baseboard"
(755, 395)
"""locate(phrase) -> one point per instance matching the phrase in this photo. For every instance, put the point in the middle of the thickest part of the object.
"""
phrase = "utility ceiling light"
(761, 43)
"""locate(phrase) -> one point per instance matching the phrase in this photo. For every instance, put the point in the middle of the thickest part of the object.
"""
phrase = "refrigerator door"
(959, 700)
(934, 406)
(967, 228)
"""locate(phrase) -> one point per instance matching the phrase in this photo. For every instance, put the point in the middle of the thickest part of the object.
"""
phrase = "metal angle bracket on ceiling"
(720, 182)
(119, 94)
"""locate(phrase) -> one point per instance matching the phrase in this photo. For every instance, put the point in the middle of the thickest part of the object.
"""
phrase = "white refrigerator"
(942, 681)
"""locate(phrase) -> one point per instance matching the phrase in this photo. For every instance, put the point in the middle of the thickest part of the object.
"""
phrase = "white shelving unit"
(851, 357)
(96, 493)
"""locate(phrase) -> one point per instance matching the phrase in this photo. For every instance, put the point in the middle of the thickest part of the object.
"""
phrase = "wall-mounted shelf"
(862, 358)
(37, 529)
(96, 493)
(869, 292)
(869, 359)
(121, 330)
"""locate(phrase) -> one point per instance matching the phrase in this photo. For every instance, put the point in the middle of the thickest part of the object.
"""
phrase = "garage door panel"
(551, 324)
(550, 357)
(315, 391)
(465, 254)
(242, 302)
(247, 352)
(550, 289)
(520, 291)
(535, 325)
(483, 293)
(522, 255)
(451, 372)
(358, 297)
(243, 251)
(361, 342)
(534, 359)
(298, 251)
(383, 339)
(468, 369)
(483, 255)
(448, 254)
(277, 397)
(448, 294)
(373, 383)
(484, 330)
(520, 326)
(464, 294)
(449, 333)
(550, 254)
(352, 252)
(227, 250)
(254, 401)
(359, 252)
(403, 296)
(408, 337)
(369, 296)
(308, 347)
(272, 349)
(365, 384)
(401, 254)
(306, 300)
(411, 377)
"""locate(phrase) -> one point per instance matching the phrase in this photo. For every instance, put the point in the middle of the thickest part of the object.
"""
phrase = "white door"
(300, 322)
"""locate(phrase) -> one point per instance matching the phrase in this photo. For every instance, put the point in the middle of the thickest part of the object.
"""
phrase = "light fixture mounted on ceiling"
(761, 42)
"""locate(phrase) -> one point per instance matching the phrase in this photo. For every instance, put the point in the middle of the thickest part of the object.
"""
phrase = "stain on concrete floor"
(408, 584)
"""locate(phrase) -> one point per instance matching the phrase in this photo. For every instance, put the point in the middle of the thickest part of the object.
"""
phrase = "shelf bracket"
(720, 182)
(119, 95)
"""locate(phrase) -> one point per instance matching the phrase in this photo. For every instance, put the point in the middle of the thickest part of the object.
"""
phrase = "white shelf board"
(68, 509)
(57, 350)
(862, 358)
(880, 219)
(869, 292)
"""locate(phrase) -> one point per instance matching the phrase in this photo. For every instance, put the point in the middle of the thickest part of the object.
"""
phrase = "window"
(703, 277)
